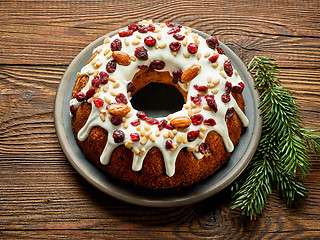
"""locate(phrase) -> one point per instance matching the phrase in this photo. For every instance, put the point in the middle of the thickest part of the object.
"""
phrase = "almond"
(92, 57)
(119, 109)
(122, 58)
(180, 122)
(190, 73)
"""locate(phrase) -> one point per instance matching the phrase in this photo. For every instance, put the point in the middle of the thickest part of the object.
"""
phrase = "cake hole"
(158, 100)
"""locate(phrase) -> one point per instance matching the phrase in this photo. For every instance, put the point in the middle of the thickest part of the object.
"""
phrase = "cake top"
(198, 65)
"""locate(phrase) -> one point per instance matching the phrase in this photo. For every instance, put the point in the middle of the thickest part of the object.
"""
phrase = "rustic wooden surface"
(42, 196)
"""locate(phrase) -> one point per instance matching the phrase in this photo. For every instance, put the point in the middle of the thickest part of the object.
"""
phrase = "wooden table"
(41, 195)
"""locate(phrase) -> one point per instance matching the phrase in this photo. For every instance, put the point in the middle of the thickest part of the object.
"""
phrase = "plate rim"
(129, 198)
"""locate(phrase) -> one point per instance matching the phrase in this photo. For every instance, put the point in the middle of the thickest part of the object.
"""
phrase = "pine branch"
(282, 153)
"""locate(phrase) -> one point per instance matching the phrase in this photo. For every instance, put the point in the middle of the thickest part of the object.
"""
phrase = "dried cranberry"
(118, 136)
(152, 121)
(150, 41)
(142, 67)
(169, 127)
(163, 123)
(239, 88)
(203, 148)
(196, 100)
(214, 58)
(192, 48)
(192, 135)
(228, 68)
(90, 93)
(116, 120)
(169, 144)
(174, 30)
(134, 137)
(196, 119)
(125, 33)
(169, 24)
(174, 27)
(135, 123)
(209, 122)
(104, 77)
(178, 36)
(151, 28)
(142, 28)
(141, 53)
(98, 102)
(212, 42)
(111, 66)
(116, 45)
(176, 76)
(95, 82)
(200, 88)
(157, 64)
(121, 98)
(211, 102)
(141, 114)
(225, 97)
(175, 46)
(133, 27)
(130, 87)
(80, 96)
(230, 112)
(73, 110)
(228, 87)
(220, 51)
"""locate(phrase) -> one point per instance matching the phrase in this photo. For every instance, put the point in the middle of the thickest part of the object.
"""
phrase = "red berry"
(142, 67)
(225, 97)
(80, 96)
(98, 102)
(135, 137)
(200, 88)
(211, 102)
(141, 114)
(163, 123)
(135, 123)
(111, 66)
(239, 88)
(133, 27)
(90, 93)
(169, 145)
(142, 28)
(192, 135)
(214, 58)
(118, 136)
(192, 48)
(196, 100)
(178, 36)
(228, 87)
(220, 51)
(228, 68)
(116, 120)
(212, 42)
(95, 82)
(141, 53)
(130, 87)
(104, 77)
(169, 24)
(125, 33)
(121, 98)
(209, 122)
(230, 112)
(169, 127)
(196, 119)
(174, 30)
(203, 148)
(175, 46)
(150, 41)
(116, 45)
(176, 76)
(157, 64)
(152, 121)
(151, 28)
(73, 110)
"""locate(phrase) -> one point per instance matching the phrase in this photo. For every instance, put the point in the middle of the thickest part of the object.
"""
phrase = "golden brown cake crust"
(153, 174)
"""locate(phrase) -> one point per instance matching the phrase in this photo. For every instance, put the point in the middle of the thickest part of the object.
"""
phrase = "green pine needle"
(282, 155)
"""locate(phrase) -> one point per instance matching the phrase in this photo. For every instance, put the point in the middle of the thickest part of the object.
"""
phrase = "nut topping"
(180, 122)
(119, 109)
(122, 58)
(190, 73)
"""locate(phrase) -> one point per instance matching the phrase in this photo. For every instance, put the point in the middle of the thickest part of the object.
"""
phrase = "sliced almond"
(190, 73)
(180, 122)
(122, 58)
(119, 109)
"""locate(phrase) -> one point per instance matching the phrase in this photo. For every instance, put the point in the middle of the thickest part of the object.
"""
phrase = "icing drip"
(174, 61)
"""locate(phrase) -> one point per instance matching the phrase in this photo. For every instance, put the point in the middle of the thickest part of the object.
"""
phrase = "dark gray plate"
(169, 198)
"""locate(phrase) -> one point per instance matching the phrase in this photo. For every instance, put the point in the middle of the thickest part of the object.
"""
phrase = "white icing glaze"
(124, 75)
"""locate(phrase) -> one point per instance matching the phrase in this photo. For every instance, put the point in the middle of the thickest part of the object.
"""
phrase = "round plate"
(238, 161)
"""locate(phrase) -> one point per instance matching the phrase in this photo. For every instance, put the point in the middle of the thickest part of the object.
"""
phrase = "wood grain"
(42, 196)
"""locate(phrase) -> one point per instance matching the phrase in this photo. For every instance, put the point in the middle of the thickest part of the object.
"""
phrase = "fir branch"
(282, 153)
